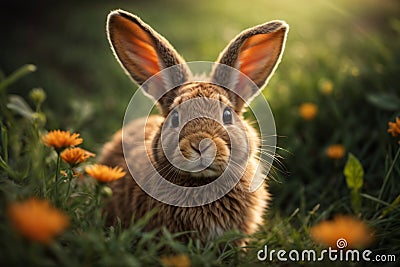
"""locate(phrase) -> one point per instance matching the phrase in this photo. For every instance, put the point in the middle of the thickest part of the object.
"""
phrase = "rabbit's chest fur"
(238, 210)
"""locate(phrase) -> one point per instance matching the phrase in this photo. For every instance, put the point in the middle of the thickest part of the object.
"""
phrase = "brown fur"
(239, 209)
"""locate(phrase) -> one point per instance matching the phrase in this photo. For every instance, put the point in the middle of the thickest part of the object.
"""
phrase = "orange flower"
(335, 151)
(61, 139)
(103, 173)
(37, 220)
(176, 261)
(343, 231)
(76, 155)
(394, 127)
(308, 111)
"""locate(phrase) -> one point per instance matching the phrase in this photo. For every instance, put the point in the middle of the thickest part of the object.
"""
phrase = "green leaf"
(390, 208)
(356, 200)
(385, 101)
(354, 173)
(24, 70)
(19, 105)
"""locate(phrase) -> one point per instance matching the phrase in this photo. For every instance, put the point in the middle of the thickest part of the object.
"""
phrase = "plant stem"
(57, 175)
(99, 186)
(24, 70)
(4, 138)
(70, 174)
(386, 179)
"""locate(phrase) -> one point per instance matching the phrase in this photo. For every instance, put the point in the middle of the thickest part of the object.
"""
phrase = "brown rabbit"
(208, 143)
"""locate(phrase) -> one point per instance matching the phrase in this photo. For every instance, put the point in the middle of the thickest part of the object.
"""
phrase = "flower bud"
(38, 96)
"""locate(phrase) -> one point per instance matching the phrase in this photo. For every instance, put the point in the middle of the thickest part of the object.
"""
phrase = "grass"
(354, 46)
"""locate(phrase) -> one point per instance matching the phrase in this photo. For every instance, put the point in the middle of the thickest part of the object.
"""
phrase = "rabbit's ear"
(143, 52)
(256, 53)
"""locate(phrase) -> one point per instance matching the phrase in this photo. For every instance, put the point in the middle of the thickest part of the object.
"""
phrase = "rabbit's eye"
(175, 119)
(227, 116)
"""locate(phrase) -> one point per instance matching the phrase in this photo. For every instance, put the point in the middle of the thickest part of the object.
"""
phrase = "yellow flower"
(308, 111)
(342, 232)
(38, 95)
(76, 155)
(394, 127)
(335, 151)
(176, 261)
(103, 173)
(61, 139)
(37, 220)
(326, 87)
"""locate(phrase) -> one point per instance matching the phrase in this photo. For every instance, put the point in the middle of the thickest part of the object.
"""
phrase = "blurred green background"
(67, 42)
(352, 45)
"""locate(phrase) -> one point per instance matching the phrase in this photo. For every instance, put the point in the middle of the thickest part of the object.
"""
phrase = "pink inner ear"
(139, 47)
(259, 54)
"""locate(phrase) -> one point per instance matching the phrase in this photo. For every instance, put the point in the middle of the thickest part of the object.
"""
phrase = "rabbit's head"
(202, 128)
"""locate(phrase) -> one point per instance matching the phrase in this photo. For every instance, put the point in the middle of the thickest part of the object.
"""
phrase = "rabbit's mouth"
(210, 171)
(202, 167)
(202, 156)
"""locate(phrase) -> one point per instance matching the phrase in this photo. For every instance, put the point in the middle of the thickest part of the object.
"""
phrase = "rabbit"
(142, 52)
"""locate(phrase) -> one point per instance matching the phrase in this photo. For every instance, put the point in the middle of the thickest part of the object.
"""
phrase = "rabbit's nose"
(208, 151)
(195, 147)
(204, 152)
(205, 145)
(202, 148)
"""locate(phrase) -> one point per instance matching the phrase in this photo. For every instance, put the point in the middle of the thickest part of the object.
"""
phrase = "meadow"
(334, 97)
